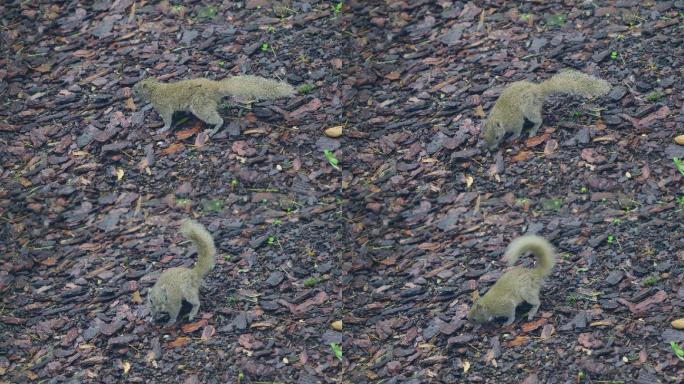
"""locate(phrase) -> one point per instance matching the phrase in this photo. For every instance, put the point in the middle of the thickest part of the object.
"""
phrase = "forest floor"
(393, 242)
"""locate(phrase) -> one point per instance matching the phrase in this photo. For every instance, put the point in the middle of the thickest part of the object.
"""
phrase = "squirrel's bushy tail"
(575, 83)
(255, 87)
(202, 239)
(539, 246)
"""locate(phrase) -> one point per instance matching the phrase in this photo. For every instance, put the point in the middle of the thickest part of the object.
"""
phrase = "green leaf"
(678, 351)
(331, 158)
(679, 164)
(337, 350)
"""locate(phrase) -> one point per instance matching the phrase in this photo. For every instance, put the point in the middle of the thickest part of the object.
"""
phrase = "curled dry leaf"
(336, 325)
(678, 324)
(335, 131)
(679, 139)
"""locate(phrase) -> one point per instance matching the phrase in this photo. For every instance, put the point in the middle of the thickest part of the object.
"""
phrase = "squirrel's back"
(539, 246)
(204, 242)
(575, 83)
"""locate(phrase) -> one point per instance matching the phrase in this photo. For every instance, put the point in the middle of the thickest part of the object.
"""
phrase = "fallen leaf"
(336, 325)
(179, 342)
(479, 112)
(135, 298)
(522, 156)
(466, 366)
(518, 341)
(534, 141)
(531, 326)
(602, 323)
(182, 135)
(335, 131)
(679, 139)
(678, 324)
(208, 332)
(392, 75)
(126, 367)
(119, 174)
(173, 148)
(192, 327)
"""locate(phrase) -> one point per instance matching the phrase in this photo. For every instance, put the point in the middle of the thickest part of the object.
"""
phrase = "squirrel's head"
(156, 300)
(477, 313)
(493, 132)
(143, 88)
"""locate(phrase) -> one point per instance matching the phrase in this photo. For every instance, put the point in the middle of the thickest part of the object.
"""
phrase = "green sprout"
(679, 164)
(331, 159)
(677, 350)
(680, 200)
(212, 205)
(305, 88)
(616, 221)
(575, 114)
(208, 12)
(613, 55)
(270, 29)
(584, 189)
(231, 301)
(611, 239)
(525, 17)
(177, 9)
(233, 184)
(337, 350)
(556, 20)
(650, 281)
(311, 281)
(183, 203)
(337, 8)
(654, 96)
(264, 47)
(271, 240)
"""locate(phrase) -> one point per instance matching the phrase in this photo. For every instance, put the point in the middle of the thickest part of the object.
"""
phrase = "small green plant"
(270, 29)
(182, 203)
(233, 184)
(680, 200)
(584, 189)
(650, 281)
(231, 301)
(264, 47)
(571, 299)
(616, 221)
(575, 115)
(613, 55)
(271, 240)
(553, 204)
(213, 205)
(654, 96)
(311, 281)
(611, 239)
(679, 164)
(337, 8)
(331, 159)
(227, 258)
(208, 12)
(620, 37)
(526, 17)
(276, 222)
(677, 350)
(221, 63)
(337, 350)
(178, 9)
(305, 88)
(556, 20)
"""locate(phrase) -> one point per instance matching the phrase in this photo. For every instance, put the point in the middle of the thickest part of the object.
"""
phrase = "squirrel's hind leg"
(192, 297)
(534, 300)
(510, 313)
(535, 116)
(173, 308)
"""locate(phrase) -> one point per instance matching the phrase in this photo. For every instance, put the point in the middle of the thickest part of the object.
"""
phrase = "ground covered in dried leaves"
(392, 242)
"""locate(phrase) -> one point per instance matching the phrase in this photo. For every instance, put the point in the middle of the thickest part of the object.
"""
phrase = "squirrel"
(523, 100)
(201, 96)
(177, 284)
(518, 284)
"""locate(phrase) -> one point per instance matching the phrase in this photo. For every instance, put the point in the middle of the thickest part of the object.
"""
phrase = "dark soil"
(394, 243)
